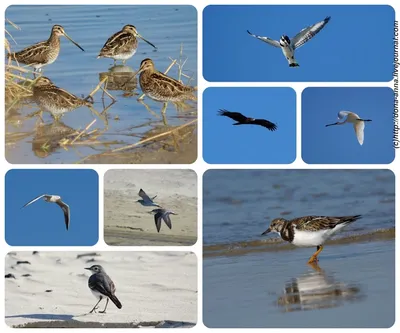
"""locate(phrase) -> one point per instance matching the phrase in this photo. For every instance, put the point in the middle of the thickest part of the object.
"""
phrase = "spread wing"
(66, 211)
(157, 220)
(267, 40)
(265, 123)
(307, 33)
(35, 199)
(233, 115)
(144, 196)
(167, 220)
(359, 129)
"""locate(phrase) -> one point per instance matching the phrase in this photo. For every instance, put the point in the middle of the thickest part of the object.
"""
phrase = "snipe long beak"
(146, 41)
(70, 39)
(266, 231)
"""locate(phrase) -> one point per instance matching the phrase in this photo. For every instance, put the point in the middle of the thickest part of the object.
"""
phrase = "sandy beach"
(127, 222)
(49, 289)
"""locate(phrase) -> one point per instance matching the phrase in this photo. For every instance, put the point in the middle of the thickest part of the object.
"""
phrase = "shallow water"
(252, 281)
(355, 288)
(239, 204)
(167, 27)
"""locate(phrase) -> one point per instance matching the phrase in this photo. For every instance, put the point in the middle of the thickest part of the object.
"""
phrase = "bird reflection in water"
(316, 290)
(121, 77)
(47, 137)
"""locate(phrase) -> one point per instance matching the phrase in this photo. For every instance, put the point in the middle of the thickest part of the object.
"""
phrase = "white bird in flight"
(146, 200)
(289, 45)
(54, 199)
(357, 122)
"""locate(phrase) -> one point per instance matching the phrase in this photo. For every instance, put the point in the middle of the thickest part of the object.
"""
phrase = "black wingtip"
(327, 19)
(249, 32)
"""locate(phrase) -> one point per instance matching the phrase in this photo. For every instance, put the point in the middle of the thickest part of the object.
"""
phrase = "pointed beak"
(146, 41)
(87, 268)
(330, 124)
(266, 231)
(73, 42)
(141, 69)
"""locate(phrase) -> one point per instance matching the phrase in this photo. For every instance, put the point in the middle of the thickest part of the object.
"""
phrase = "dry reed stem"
(152, 138)
(82, 132)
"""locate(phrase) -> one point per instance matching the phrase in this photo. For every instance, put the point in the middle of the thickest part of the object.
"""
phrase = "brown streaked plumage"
(161, 87)
(122, 45)
(43, 53)
(310, 230)
(55, 100)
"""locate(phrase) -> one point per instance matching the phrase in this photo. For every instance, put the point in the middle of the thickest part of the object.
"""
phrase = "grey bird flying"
(102, 287)
(146, 200)
(162, 214)
(54, 199)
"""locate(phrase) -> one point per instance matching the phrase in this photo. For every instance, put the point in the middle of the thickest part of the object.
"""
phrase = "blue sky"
(338, 144)
(224, 143)
(42, 223)
(345, 50)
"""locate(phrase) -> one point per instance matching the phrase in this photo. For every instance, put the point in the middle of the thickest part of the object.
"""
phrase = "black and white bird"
(102, 286)
(243, 120)
(146, 200)
(162, 214)
(288, 46)
(309, 231)
(57, 200)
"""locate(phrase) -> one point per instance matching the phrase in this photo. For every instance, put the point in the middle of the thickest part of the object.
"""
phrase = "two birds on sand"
(120, 46)
(160, 214)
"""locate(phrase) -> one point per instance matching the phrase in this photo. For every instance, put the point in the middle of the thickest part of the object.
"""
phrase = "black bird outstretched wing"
(233, 115)
(265, 123)
(144, 196)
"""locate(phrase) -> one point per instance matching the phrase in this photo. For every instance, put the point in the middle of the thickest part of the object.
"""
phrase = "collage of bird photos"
(200, 164)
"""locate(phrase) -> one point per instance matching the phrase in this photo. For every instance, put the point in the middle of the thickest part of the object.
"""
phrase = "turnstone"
(243, 120)
(146, 200)
(310, 230)
(54, 199)
(357, 122)
(162, 214)
(288, 46)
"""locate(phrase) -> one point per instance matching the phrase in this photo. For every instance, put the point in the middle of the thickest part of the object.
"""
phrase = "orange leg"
(314, 257)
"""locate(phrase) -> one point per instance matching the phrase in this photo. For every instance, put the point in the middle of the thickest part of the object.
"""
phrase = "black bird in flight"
(243, 120)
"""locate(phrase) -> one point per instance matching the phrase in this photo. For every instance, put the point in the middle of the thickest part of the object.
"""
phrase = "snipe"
(55, 100)
(122, 45)
(43, 53)
(161, 87)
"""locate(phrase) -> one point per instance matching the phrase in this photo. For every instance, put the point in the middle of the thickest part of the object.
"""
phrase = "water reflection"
(316, 290)
(121, 78)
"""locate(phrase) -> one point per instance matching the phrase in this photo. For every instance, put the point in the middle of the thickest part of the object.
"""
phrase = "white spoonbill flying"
(54, 199)
(358, 123)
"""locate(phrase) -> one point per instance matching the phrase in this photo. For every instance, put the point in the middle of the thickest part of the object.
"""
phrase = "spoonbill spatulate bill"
(353, 118)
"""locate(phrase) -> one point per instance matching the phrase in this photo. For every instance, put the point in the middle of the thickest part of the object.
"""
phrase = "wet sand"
(127, 222)
(49, 289)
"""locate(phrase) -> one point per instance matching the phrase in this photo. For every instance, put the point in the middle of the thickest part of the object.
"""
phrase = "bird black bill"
(73, 42)
(266, 231)
(147, 41)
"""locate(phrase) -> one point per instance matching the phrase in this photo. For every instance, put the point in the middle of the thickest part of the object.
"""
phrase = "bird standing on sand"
(243, 120)
(310, 230)
(162, 214)
(54, 199)
(146, 200)
(354, 119)
(102, 287)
